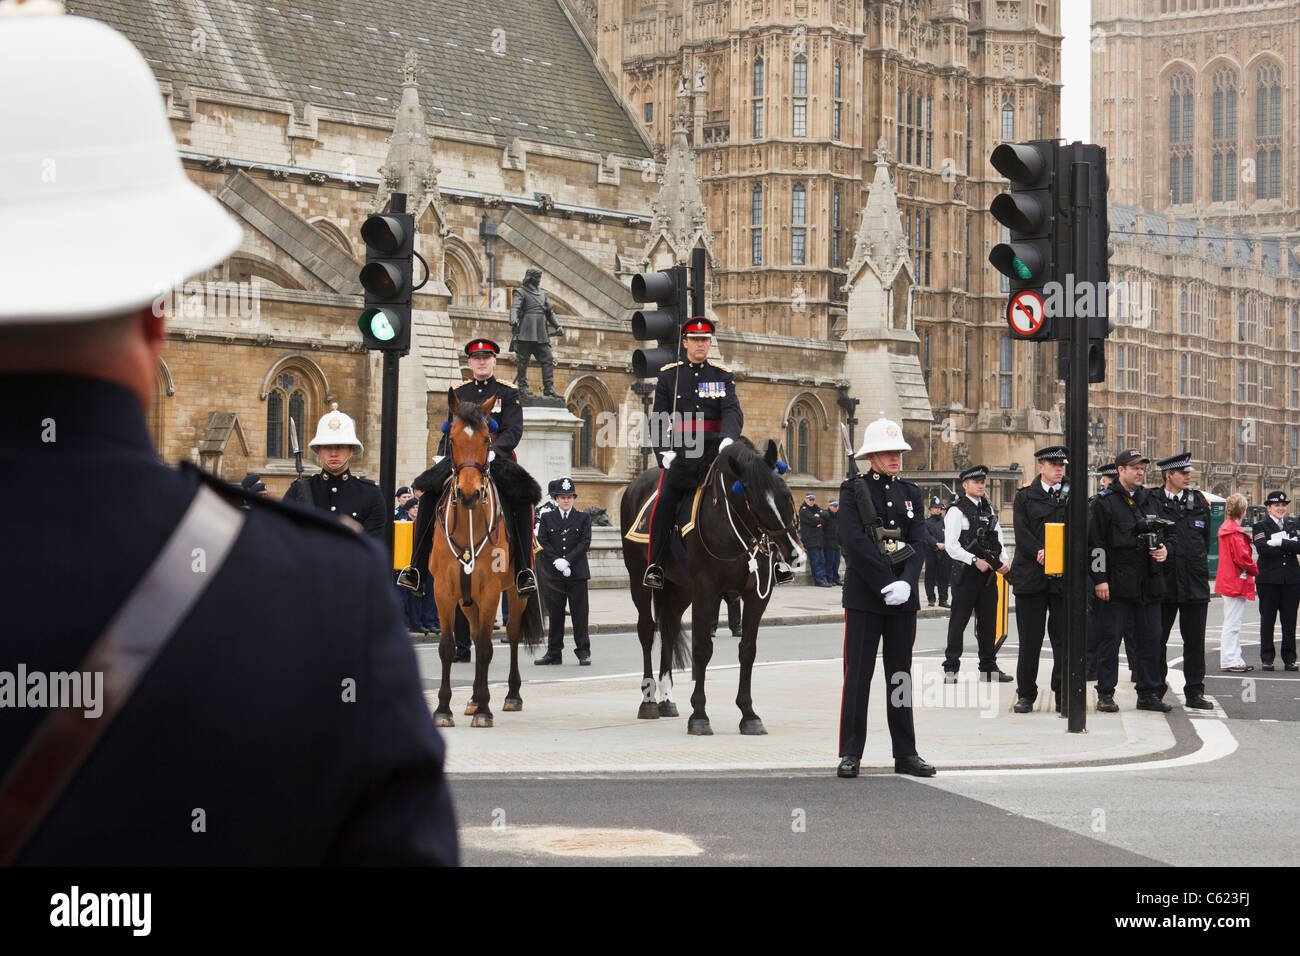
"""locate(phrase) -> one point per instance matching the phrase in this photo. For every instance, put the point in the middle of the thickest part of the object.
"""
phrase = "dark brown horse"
(744, 525)
(470, 565)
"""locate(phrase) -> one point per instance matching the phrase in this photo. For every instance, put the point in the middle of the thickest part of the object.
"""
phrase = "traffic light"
(667, 289)
(1095, 259)
(1035, 254)
(385, 322)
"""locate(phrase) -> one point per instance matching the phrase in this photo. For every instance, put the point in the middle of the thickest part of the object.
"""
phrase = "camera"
(1151, 531)
(986, 544)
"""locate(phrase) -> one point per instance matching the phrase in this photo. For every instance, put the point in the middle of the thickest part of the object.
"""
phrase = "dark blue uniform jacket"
(899, 504)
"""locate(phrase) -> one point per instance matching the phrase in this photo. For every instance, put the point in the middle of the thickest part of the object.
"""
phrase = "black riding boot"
(548, 381)
(661, 528)
(522, 538)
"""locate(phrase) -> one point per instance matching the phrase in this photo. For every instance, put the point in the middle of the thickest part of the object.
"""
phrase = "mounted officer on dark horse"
(736, 519)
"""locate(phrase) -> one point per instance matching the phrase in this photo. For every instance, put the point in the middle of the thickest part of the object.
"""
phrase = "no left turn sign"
(1025, 313)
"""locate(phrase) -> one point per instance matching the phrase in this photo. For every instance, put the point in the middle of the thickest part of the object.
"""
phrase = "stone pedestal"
(546, 450)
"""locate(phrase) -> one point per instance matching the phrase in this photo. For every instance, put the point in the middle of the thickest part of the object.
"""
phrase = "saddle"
(687, 512)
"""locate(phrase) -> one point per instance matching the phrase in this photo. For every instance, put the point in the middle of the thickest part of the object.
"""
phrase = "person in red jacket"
(1235, 583)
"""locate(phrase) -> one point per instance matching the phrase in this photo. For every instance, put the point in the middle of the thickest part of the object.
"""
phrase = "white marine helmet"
(882, 435)
(335, 428)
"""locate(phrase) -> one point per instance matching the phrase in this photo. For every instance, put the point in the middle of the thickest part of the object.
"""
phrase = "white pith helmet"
(87, 142)
(882, 435)
(335, 428)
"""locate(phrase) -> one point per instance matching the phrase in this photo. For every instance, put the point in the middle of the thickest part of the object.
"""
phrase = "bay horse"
(470, 564)
(744, 524)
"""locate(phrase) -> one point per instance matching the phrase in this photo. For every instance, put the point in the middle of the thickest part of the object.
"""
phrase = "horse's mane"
(754, 470)
(471, 413)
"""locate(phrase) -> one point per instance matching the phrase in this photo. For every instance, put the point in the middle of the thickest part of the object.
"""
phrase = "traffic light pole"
(388, 420)
(1076, 438)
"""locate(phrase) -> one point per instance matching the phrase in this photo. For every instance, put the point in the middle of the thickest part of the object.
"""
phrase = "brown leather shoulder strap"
(132, 641)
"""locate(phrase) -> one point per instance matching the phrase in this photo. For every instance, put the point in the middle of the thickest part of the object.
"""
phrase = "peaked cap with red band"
(477, 346)
(698, 326)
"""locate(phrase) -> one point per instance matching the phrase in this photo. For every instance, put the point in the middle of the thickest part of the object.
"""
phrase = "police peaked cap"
(1180, 462)
(935, 502)
(476, 346)
(1108, 470)
(1054, 453)
(979, 472)
(1277, 498)
(561, 486)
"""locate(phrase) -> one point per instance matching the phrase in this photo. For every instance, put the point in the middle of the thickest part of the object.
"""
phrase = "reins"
(760, 542)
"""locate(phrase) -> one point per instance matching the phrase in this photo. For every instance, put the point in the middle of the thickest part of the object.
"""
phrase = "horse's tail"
(671, 633)
(531, 632)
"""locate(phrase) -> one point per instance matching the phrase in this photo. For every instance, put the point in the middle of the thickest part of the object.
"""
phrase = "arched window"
(1008, 116)
(799, 121)
(800, 432)
(1268, 132)
(1182, 116)
(837, 107)
(756, 226)
(758, 98)
(286, 399)
(589, 402)
(1223, 134)
(798, 218)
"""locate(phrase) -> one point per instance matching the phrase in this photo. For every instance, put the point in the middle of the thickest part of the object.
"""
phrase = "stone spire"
(880, 244)
(409, 165)
(680, 220)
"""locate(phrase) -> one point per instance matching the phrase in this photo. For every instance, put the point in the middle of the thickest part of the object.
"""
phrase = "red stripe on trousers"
(846, 680)
(649, 549)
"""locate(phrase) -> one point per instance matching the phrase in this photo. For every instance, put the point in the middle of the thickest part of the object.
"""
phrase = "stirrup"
(525, 582)
(654, 577)
(409, 578)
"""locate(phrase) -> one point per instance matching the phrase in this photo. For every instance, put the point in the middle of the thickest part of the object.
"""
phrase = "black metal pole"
(1076, 437)
(388, 420)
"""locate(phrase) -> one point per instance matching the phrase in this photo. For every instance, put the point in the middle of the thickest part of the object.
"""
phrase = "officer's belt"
(707, 425)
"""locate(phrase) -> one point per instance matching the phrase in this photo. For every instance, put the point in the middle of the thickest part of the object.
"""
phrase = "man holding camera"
(1187, 575)
(1278, 583)
(1126, 543)
(973, 539)
(1037, 595)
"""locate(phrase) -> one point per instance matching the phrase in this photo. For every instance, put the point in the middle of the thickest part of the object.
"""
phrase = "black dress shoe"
(1106, 704)
(1023, 705)
(737, 633)
(944, 604)
(548, 658)
(584, 661)
(914, 766)
(848, 767)
(997, 676)
(462, 657)
(654, 577)
(1293, 666)
(1152, 702)
(1268, 667)
(950, 677)
(1197, 702)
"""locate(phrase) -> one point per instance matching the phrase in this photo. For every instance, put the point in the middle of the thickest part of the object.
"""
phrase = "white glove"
(1275, 539)
(896, 593)
(667, 459)
(492, 456)
(561, 565)
(567, 572)
(724, 443)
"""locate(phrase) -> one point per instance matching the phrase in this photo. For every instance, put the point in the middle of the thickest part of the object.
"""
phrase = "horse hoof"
(649, 710)
(512, 704)
(470, 708)
(443, 720)
(481, 720)
(699, 727)
(667, 708)
(754, 727)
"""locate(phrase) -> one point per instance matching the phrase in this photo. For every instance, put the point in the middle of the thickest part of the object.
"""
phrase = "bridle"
(756, 540)
(449, 513)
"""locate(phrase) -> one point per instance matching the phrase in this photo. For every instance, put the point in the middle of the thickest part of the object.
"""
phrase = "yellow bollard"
(1004, 609)
(402, 533)
(1054, 546)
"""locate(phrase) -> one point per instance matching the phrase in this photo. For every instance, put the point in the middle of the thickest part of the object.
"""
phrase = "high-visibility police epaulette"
(664, 368)
(1026, 484)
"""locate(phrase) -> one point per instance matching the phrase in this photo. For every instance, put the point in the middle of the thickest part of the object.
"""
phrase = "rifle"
(893, 548)
(300, 488)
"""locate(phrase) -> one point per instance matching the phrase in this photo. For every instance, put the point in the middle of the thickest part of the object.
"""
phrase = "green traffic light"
(377, 322)
(1022, 270)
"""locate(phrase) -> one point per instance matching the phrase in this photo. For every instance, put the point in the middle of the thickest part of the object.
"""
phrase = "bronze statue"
(530, 318)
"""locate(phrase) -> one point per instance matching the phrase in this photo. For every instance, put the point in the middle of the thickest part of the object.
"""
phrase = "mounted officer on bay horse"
(736, 519)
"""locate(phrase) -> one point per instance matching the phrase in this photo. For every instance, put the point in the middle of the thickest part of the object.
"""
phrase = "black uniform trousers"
(680, 479)
(1275, 599)
(978, 593)
(863, 634)
(1033, 612)
(1191, 625)
(938, 572)
(1142, 621)
(733, 611)
(1094, 635)
(573, 591)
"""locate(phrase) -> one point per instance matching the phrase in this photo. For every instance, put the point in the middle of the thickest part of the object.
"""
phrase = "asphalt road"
(1233, 810)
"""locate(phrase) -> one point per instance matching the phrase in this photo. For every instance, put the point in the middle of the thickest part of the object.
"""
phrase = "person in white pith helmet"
(880, 514)
(334, 488)
(259, 665)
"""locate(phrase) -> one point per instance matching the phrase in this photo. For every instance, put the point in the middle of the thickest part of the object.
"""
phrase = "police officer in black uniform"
(1106, 476)
(1278, 582)
(974, 579)
(696, 414)
(508, 415)
(812, 537)
(1040, 599)
(938, 566)
(564, 534)
(1187, 575)
(1128, 582)
(334, 488)
(281, 721)
(880, 600)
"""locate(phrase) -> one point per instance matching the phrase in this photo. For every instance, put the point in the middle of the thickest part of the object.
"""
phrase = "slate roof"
(348, 55)
(1172, 235)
